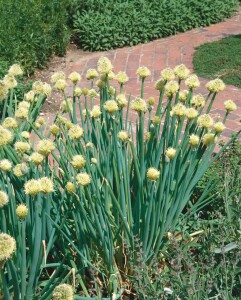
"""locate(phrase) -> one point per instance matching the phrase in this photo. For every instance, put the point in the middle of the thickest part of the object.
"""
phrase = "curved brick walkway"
(170, 52)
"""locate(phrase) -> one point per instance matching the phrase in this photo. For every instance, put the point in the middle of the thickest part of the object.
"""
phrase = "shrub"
(77, 194)
(102, 25)
(32, 31)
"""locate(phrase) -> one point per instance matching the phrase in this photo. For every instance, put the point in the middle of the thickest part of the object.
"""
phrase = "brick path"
(170, 52)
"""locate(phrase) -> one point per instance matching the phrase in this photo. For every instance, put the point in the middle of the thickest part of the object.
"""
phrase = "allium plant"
(109, 170)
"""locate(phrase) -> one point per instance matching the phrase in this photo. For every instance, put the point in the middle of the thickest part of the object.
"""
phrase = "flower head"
(20, 170)
(83, 179)
(78, 161)
(21, 113)
(54, 129)
(91, 74)
(3, 199)
(85, 91)
(111, 106)
(25, 135)
(70, 187)
(93, 93)
(63, 292)
(171, 88)
(36, 158)
(10, 81)
(229, 105)
(153, 174)
(192, 82)
(10, 123)
(56, 76)
(32, 187)
(46, 89)
(209, 138)
(121, 100)
(66, 105)
(46, 185)
(198, 101)
(7, 247)
(179, 110)
(123, 135)
(45, 147)
(183, 95)
(74, 77)
(77, 92)
(151, 101)
(75, 132)
(22, 211)
(5, 165)
(215, 86)
(205, 121)
(95, 112)
(104, 65)
(219, 127)
(121, 77)
(168, 74)
(5, 136)
(143, 72)
(37, 87)
(29, 96)
(3, 90)
(22, 147)
(160, 84)
(191, 113)
(156, 120)
(15, 70)
(194, 140)
(171, 152)
(181, 72)
(139, 105)
(60, 85)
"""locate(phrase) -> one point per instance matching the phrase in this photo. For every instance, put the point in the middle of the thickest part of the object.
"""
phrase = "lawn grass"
(220, 59)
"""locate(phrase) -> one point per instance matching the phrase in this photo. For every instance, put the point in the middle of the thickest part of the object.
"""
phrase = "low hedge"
(103, 25)
(31, 31)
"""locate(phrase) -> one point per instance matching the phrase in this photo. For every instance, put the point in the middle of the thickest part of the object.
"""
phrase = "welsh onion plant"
(76, 193)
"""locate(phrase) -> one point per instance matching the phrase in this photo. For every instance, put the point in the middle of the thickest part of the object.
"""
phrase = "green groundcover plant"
(76, 194)
(32, 31)
(101, 25)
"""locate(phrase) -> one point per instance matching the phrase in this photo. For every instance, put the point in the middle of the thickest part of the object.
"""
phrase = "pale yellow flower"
(122, 77)
(63, 292)
(198, 101)
(160, 84)
(85, 92)
(219, 127)
(91, 74)
(205, 121)
(3, 199)
(179, 110)
(194, 140)
(171, 152)
(153, 174)
(95, 112)
(36, 158)
(171, 88)
(75, 132)
(56, 76)
(181, 71)
(70, 187)
(74, 77)
(104, 65)
(83, 179)
(78, 161)
(10, 123)
(22, 147)
(139, 105)
(215, 86)
(6, 136)
(191, 113)
(21, 113)
(77, 92)
(29, 96)
(32, 187)
(143, 72)
(10, 81)
(46, 184)
(7, 247)
(5, 165)
(111, 106)
(167, 74)
(3, 90)
(229, 105)
(121, 100)
(192, 82)
(183, 95)
(45, 147)
(208, 139)
(15, 70)
(60, 85)
(123, 135)
(25, 135)
(54, 129)
(22, 211)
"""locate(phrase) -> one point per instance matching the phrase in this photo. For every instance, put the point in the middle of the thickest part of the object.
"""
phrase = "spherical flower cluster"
(205, 121)
(191, 113)
(93, 93)
(121, 77)
(219, 127)
(78, 161)
(167, 74)
(15, 70)
(171, 88)
(37, 87)
(111, 90)
(95, 112)
(143, 72)
(91, 74)
(5, 136)
(111, 106)
(215, 86)
(147, 136)
(54, 129)
(3, 199)
(139, 105)
(10, 81)
(229, 105)
(100, 84)
(198, 101)
(21, 113)
(70, 187)
(83, 179)
(89, 145)
(160, 84)
(57, 76)
(171, 152)
(7, 247)
(179, 110)
(29, 96)
(25, 135)
(63, 292)
(181, 71)
(77, 92)
(156, 120)
(45, 147)
(24, 104)
(65, 106)
(22, 147)
(36, 158)
(74, 77)
(151, 101)
(121, 100)
(46, 185)
(46, 89)
(10, 123)
(152, 174)
(20, 170)
(192, 82)
(123, 136)
(60, 85)
(104, 65)
(208, 139)
(3, 90)
(5, 165)
(32, 187)
(193, 140)
(183, 95)
(93, 161)
(75, 132)
(85, 92)
(22, 211)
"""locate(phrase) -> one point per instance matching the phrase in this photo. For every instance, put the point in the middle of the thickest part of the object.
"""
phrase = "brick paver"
(170, 51)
